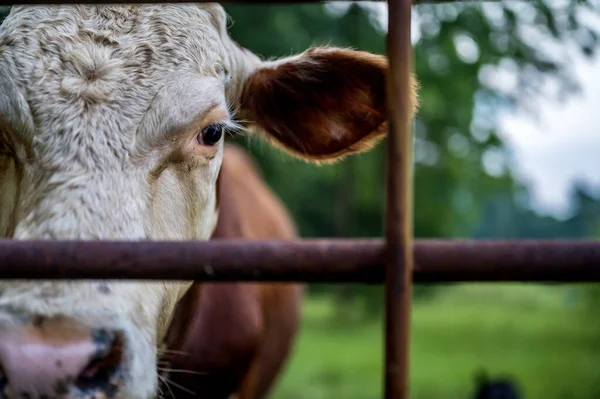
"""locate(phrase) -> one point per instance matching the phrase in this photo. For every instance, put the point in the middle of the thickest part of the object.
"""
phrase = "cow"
(112, 123)
(234, 338)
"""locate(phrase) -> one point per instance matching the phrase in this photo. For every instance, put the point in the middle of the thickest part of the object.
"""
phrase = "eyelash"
(212, 134)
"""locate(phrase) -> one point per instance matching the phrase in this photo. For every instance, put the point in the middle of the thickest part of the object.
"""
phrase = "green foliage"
(3, 12)
(502, 217)
(451, 187)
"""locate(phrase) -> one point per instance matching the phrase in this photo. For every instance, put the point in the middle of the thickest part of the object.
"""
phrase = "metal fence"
(394, 261)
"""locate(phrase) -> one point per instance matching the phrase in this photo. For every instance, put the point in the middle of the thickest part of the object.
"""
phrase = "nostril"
(60, 357)
(101, 373)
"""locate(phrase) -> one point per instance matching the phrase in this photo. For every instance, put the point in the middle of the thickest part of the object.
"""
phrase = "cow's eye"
(211, 134)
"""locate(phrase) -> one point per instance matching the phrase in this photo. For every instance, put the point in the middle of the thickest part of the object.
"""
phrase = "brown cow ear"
(322, 104)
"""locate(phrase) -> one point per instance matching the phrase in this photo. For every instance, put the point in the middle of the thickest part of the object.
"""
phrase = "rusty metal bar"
(399, 205)
(556, 261)
(211, 261)
(325, 260)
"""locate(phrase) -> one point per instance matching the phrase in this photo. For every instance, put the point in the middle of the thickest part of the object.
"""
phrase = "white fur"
(96, 107)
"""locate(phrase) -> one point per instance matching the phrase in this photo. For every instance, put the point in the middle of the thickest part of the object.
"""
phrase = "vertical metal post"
(399, 228)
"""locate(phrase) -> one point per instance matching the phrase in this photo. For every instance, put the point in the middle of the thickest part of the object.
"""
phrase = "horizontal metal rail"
(326, 260)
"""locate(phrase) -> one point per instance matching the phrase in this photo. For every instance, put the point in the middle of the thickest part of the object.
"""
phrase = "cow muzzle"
(58, 358)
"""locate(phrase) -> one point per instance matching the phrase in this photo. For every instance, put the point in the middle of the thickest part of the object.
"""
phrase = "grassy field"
(525, 332)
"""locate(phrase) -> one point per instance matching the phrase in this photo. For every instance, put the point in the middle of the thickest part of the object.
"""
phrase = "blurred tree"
(3, 12)
(471, 60)
(460, 160)
(503, 218)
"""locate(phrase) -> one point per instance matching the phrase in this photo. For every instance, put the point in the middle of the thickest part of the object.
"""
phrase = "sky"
(562, 146)
(558, 147)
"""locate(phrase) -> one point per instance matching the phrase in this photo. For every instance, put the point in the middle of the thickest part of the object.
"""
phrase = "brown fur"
(240, 334)
(334, 98)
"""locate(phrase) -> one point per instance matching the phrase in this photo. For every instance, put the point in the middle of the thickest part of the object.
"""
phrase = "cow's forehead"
(68, 61)
(179, 33)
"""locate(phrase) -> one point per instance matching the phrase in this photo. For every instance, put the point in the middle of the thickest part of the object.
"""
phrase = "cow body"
(112, 121)
(237, 335)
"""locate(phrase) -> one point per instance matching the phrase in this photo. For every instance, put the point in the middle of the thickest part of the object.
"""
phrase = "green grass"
(525, 332)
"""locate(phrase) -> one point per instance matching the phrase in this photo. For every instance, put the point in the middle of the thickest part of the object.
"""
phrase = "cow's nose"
(59, 357)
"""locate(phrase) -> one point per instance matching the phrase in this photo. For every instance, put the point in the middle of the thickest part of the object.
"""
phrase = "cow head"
(111, 127)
